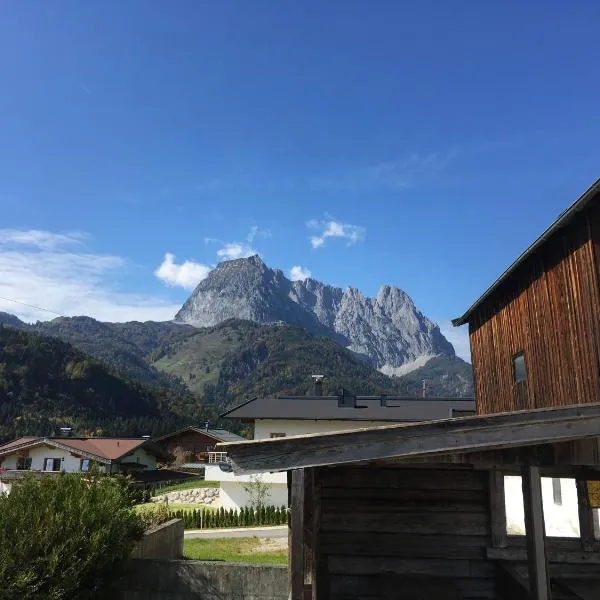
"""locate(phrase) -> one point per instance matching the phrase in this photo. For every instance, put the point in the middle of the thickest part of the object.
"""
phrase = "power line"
(32, 306)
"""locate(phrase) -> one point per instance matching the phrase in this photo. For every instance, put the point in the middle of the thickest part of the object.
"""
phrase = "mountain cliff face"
(388, 330)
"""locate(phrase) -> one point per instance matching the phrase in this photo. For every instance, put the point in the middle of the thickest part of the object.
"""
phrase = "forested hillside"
(45, 383)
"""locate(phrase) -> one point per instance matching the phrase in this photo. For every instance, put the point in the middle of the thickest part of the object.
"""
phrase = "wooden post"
(539, 588)
(586, 517)
(296, 535)
(497, 509)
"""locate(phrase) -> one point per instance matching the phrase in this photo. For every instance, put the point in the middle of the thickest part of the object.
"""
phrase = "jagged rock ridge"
(388, 330)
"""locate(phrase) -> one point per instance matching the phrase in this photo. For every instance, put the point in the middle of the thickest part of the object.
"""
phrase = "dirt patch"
(273, 544)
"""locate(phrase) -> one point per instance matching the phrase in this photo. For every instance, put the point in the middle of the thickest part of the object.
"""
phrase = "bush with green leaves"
(65, 537)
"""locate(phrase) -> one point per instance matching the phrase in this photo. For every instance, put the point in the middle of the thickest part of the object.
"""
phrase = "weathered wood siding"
(550, 310)
(376, 521)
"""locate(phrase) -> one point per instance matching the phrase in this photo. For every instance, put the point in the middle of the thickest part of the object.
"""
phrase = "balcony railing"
(217, 457)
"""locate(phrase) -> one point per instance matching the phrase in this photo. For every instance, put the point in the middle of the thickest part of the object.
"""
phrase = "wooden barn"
(417, 511)
(535, 333)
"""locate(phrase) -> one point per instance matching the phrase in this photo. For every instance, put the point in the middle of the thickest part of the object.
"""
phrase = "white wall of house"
(38, 454)
(142, 457)
(263, 428)
(234, 495)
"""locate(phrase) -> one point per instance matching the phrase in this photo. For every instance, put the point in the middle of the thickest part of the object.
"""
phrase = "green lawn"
(247, 550)
(140, 508)
(186, 485)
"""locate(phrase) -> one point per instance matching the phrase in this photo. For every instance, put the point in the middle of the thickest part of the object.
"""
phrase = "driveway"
(280, 531)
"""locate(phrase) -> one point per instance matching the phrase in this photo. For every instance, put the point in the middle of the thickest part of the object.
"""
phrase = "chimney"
(205, 425)
(424, 387)
(318, 379)
(65, 432)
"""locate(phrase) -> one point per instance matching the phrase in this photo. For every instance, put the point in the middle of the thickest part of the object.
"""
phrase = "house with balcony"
(195, 443)
(52, 455)
(284, 416)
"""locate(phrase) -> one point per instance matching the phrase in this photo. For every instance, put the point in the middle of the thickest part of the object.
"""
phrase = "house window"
(85, 464)
(276, 435)
(519, 368)
(23, 463)
(52, 464)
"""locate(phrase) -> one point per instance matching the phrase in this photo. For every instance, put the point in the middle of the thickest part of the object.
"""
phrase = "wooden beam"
(497, 509)
(296, 536)
(534, 530)
(509, 430)
(586, 517)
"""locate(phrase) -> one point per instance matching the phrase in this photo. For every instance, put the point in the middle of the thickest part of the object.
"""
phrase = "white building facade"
(300, 415)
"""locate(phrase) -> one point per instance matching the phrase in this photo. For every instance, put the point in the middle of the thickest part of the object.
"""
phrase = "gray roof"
(225, 436)
(360, 408)
(221, 435)
(564, 219)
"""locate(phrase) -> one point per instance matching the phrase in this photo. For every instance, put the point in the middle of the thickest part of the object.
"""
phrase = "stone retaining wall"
(207, 496)
(193, 580)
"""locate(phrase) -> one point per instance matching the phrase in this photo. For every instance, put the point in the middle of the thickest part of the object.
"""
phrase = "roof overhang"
(564, 218)
(429, 438)
(54, 444)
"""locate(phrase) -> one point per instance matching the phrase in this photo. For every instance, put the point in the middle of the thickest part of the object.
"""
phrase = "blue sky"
(418, 144)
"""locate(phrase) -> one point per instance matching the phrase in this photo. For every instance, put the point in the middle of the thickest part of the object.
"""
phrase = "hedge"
(221, 518)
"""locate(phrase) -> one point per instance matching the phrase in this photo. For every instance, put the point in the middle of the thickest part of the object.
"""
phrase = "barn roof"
(350, 408)
(447, 436)
(564, 219)
(220, 435)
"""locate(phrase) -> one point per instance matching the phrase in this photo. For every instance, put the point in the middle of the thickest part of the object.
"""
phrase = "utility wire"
(32, 306)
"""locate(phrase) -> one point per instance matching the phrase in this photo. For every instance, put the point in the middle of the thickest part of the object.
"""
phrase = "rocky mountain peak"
(387, 330)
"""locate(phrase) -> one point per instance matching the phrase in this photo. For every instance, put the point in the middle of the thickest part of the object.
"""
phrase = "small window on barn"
(561, 520)
(519, 368)
(276, 435)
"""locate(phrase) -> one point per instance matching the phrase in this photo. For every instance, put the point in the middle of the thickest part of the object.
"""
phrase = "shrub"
(65, 537)
(155, 516)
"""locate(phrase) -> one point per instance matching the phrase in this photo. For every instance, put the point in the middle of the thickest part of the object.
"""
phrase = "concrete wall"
(263, 428)
(163, 542)
(233, 495)
(194, 580)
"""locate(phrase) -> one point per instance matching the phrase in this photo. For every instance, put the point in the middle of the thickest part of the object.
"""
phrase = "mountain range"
(245, 331)
(388, 331)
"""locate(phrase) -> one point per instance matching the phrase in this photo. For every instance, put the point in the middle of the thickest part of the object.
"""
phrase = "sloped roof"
(563, 219)
(446, 436)
(220, 435)
(361, 408)
(102, 449)
(18, 442)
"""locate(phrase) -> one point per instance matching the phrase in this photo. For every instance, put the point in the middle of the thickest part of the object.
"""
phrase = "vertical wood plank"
(296, 535)
(586, 517)
(319, 576)
(535, 532)
(497, 509)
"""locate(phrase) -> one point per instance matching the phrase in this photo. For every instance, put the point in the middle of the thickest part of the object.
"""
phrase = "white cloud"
(334, 229)
(458, 337)
(44, 240)
(186, 275)
(33, 271)
(257, 232)
(298, 273)
(233, 250)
